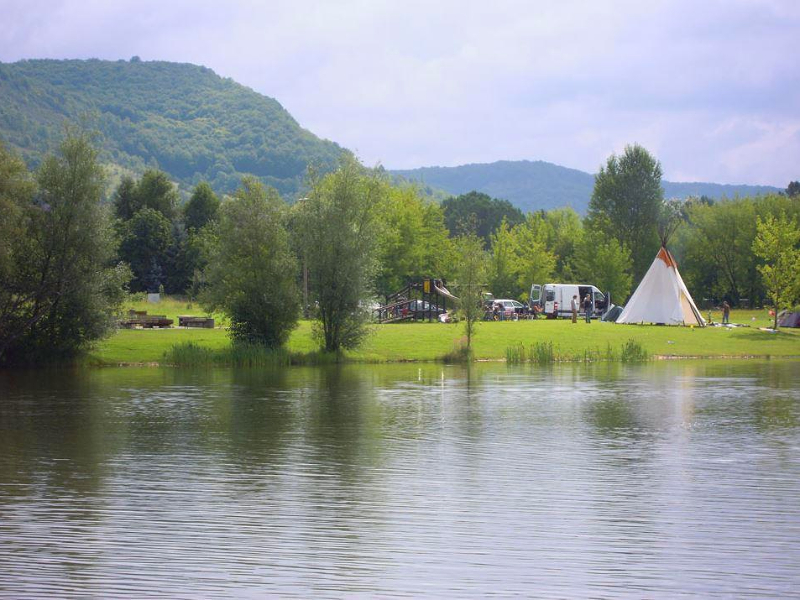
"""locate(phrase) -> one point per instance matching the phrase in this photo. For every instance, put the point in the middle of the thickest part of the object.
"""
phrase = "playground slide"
(443, 291)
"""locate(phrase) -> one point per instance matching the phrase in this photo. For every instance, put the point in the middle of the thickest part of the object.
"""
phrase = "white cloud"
(420, 83)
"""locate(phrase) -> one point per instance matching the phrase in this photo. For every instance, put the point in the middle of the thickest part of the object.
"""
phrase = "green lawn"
(430, 341)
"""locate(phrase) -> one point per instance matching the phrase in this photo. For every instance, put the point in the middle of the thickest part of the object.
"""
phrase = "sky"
(711, 88)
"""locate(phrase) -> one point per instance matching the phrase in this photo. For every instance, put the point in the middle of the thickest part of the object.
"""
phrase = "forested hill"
(180, 118)
(534, 185)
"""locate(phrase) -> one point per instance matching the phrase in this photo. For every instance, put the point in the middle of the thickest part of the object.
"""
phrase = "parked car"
(509, 309)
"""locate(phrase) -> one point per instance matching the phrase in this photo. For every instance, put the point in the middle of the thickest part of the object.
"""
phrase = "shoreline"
(356, 361)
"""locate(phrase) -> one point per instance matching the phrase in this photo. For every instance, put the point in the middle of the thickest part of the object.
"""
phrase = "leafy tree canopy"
(251, 276)
(339, 227)
(479, 213)
(202, 207)
(627, 202)
(59, 288)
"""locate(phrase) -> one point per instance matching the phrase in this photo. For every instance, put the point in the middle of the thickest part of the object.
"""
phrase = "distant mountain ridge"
(535, 185)
(181, 118)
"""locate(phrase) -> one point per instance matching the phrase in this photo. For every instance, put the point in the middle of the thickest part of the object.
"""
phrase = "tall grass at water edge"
(543, 353)
(189, 354)
(461, 353)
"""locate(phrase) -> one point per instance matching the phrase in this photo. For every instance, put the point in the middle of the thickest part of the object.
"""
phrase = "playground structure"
(417, 301)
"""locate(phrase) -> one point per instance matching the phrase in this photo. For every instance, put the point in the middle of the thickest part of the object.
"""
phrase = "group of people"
(585, 304)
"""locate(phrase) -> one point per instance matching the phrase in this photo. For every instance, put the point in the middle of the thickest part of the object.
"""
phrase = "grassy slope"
(425, 341)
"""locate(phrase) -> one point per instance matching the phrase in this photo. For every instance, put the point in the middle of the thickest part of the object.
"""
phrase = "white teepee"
(662, 296)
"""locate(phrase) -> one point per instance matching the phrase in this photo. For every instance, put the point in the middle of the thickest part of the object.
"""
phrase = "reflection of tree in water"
(52, 440)
(612, 416)
(342, 421)
(261, 416)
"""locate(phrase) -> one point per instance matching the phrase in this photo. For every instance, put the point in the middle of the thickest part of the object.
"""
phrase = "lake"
(660, 480)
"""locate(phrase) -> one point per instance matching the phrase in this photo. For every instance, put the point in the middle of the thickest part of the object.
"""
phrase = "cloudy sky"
(712, 88)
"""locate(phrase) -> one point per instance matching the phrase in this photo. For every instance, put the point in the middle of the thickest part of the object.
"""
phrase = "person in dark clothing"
(587, 308)
(726, 312)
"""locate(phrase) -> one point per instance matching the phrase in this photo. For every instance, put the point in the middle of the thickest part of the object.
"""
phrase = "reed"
(515, 354)
(189, 354)
(461, 353)
(542, 353)
(632, 351)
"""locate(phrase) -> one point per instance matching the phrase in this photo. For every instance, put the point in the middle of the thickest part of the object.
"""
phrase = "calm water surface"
(663, 480)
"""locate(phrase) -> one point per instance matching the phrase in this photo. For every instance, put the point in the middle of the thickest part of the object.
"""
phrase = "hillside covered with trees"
(539, 185)
(182, 119)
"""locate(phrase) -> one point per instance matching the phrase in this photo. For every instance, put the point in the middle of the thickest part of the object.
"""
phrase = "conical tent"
(662, 296)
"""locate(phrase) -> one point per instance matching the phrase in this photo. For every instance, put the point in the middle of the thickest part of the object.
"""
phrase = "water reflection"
(418, 480)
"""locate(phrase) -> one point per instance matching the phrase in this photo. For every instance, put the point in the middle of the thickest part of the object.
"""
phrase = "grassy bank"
(432, 341)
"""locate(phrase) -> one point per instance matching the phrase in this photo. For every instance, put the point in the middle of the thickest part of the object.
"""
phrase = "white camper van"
(554, 299)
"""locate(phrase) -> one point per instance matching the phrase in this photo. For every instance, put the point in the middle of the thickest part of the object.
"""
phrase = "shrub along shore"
(516, 341)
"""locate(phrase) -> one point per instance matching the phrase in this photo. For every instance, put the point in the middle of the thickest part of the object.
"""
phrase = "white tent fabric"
(662, 296)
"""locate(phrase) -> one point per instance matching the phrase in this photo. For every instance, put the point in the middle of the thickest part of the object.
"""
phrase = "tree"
(479, 211)
(413, 241)
(626, 201)
(604, 262)
(125, 200)
(776, 244)
(16, 290)
(61, 288)
(793, 189)
(338, 228)
(251, 277)
(202, 207)
(535, 263)
(470, 276)
(145, 240)
(503, 262)
(717, 249)
(564, 232)
(154, 190)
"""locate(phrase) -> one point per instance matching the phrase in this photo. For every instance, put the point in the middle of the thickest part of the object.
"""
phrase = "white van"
(554, 299)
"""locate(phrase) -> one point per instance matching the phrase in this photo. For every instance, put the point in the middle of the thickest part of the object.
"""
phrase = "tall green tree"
(154, 190)
(776, 244)
(564, 233)
(626, 202)
(17, 285)
(338, 227)
(716, 249)
(471, 272)
(145, 240)
(62, 288)
(252, 276)
(202, 207)
(535, 262)
(604, 262)
(125, 201)
(503, 263)
(413, 241)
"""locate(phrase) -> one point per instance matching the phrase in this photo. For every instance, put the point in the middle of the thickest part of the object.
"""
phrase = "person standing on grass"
(587, 307)
(574, 306)
(726, 312)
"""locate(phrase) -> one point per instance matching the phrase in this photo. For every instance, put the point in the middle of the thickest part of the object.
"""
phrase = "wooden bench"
(193, 321)
(140, 318)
